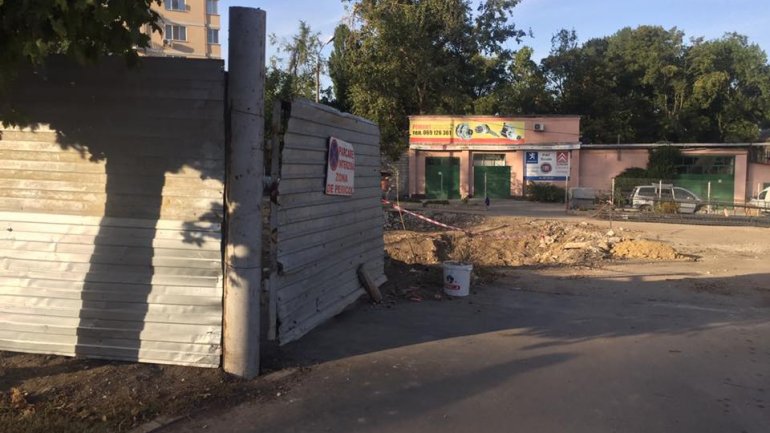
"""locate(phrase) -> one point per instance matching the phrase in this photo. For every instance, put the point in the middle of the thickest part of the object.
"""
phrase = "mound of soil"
(644, 249)
(507, 242)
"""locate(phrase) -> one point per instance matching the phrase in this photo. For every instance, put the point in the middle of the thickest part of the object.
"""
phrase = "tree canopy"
(398, 58)
(30, 31)
(647, 85)
(420, 57)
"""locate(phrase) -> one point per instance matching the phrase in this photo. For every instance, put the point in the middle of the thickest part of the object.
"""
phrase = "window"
(762, 195)
(489, 159)
(213, 36)
(176, 5)
(683, 194)
(175, 33)
(646, 191)
(211, 7)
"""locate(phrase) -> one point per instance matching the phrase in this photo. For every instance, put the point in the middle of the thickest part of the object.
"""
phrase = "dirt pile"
(520, 242)
(644, 249)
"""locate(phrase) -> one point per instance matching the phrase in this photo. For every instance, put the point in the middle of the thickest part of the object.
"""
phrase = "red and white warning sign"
(340, 168)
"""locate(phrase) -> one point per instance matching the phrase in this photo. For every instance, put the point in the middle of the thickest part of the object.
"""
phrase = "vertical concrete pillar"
(574, 172)
(412, 172)
(466, 178)
(243, 251)
(741, 177)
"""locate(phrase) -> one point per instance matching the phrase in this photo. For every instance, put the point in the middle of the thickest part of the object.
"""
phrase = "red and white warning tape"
(424, 218)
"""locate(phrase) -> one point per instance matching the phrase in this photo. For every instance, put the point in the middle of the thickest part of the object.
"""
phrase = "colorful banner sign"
(340, 168)
(552, 166)
(465, 130)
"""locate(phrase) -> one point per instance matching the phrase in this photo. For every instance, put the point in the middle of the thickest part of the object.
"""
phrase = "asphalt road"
(624, 349)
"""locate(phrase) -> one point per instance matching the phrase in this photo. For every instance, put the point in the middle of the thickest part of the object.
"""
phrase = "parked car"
(645, 198)
(762, 201)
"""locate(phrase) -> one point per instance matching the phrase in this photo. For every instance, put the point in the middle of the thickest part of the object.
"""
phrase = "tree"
(647, 85)
(730, 87)
(30, 31)
(409, 57)
(339, 71)
(294, 76)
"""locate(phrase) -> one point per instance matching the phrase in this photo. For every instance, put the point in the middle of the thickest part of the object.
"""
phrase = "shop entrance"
(491, 177)
(442, 178)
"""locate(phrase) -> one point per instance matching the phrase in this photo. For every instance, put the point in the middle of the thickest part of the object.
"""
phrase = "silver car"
(645, 198)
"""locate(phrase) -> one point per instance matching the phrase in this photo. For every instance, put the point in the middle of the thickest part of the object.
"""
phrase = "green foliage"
(626, 181)
(339, 71)
(545, 192)
(30, 31)
(646, 85)
(407, 58)
(292, 71)
(663, 162)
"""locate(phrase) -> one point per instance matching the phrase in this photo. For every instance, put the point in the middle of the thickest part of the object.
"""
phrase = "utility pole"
(243, 251)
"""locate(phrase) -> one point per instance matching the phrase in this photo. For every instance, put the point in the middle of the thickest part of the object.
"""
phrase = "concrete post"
(243, 273)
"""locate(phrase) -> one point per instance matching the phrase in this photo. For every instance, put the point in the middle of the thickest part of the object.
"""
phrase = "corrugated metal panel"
(111, 211)
(320, 240)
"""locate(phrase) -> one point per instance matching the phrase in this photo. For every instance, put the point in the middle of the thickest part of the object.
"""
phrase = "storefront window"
(489, 159)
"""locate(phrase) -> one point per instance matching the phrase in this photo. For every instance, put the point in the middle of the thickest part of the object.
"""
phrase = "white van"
(762, 201)
(645, 198)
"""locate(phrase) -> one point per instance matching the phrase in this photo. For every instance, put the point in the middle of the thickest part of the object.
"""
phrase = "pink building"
(478, 156)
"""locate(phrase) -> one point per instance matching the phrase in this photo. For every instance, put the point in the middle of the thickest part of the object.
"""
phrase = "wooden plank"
(289, 286)
(110, 250)
(289, 334)
(208, 243)
(113, 287)
(190, 149)
(113, 277)
(308, 303)
(139, 270)
(169, 332)
(332, 118)
(326, 210)
(296, 139)
(293, 186)
(292, 288)
(95, 209)
(291, 263)
(288, 232)
(192, 191)
(309, 171)
(157, 357)
(138, 198)
(148, 166)
(298, 200)
(123, 311)
(362, 226)
(104, 340)
(85, 220)
(122, 258)
(90, 295)
(317, 157)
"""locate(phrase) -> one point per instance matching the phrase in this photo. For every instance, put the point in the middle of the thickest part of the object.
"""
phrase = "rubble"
(522, 242)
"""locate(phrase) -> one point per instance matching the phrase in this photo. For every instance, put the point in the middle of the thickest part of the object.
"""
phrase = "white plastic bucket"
(457, 278)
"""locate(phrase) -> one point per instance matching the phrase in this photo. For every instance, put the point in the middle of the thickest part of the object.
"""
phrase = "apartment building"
(190, 29)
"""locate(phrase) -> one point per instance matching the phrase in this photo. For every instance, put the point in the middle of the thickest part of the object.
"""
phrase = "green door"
(442, 178)
(495, 181)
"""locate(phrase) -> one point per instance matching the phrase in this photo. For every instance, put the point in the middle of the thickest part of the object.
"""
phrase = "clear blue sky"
(590, 18)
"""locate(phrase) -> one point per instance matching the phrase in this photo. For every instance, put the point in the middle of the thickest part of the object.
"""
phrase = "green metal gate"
(722, 186)
(442, 178)
(495, 181)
